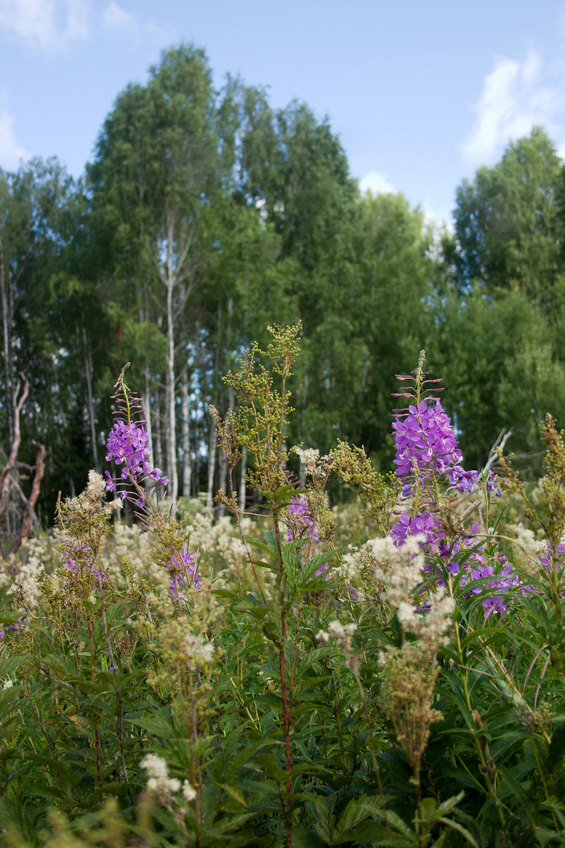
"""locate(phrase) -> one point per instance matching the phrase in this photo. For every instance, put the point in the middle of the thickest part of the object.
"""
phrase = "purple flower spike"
(425, 442)
(128, 446)
(302, 526)
(182, 574)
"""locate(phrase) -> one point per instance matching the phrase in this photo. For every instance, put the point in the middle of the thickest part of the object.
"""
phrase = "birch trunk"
(242, 497)
(171, 417)
(158, 440)
(211, 468)
(187, 464)
(146, 400)
(6, 343)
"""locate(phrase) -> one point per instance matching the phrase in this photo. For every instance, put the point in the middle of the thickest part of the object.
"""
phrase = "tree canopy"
(207, 215)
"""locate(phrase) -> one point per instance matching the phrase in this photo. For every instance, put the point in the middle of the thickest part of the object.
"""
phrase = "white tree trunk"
(157, 442)
(146, 400)
(6, 302)
(187, 464)
(211, 467)
(242, 484)
(171, 417)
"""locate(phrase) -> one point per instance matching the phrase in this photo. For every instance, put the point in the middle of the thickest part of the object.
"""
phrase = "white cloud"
(117, 18)
(515, 97)
(377, 184)
(45, 24)
(10, 151)
(77, 20)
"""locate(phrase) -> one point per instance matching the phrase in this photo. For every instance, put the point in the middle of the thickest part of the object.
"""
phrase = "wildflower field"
(385, 673)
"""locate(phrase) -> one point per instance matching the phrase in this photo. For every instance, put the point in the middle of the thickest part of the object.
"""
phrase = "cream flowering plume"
(26, 581)
(410, 672)
(343, 635)
(161, 784)
(399, 569)
(309, 458)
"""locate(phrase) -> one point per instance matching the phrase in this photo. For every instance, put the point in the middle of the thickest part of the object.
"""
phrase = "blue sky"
(420, 94)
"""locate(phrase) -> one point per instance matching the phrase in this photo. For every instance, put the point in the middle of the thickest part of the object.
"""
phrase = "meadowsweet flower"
(343, 635)
(309, 458)
(188, 791)
(158, 777)
(196, 651)
(399, 569)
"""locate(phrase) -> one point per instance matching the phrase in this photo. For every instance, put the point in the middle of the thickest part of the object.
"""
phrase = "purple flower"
(182, 574)
(503, 579)
(75, 554)
(128, 446)
(493, 486)
(302, 526)
(426, 448)
(426, 443)
(110, 483)
(423, 523)
(78, 558)
(20, 624)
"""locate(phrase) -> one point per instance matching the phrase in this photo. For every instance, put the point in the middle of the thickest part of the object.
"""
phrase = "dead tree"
(8, 475)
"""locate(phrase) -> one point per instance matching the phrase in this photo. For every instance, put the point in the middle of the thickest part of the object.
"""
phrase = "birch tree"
(155, 188)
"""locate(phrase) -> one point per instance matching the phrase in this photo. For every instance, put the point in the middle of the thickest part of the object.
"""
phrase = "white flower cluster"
(400, 569)
(196, 651)
(431, 625)
(348, 569)
(160, 782)
(342, 633)
(25, 584)
(95, 488)
(158, 776)
(308, 458)
(220, 539)
(530, 549)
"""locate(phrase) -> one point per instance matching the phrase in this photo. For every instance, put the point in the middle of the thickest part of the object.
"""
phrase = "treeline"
(205, 216)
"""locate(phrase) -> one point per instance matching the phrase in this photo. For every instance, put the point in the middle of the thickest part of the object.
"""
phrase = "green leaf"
(235, 792)
(556, 748)
(157, 725)
(359, 809)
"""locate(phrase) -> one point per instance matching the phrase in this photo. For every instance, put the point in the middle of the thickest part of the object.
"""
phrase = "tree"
(506, 222)
(154, 180)
(499, 369)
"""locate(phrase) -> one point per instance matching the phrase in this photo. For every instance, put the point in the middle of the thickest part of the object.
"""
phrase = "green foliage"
(285, 699)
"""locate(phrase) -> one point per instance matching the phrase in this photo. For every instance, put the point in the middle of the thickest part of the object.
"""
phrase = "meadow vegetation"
(387, 672)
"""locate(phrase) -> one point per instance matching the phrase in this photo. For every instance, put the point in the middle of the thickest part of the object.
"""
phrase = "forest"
(206, 216)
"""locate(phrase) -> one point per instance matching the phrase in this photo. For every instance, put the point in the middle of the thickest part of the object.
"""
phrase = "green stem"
(485, 767)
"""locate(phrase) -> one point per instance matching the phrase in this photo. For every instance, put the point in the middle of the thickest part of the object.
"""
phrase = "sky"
(420, 94)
